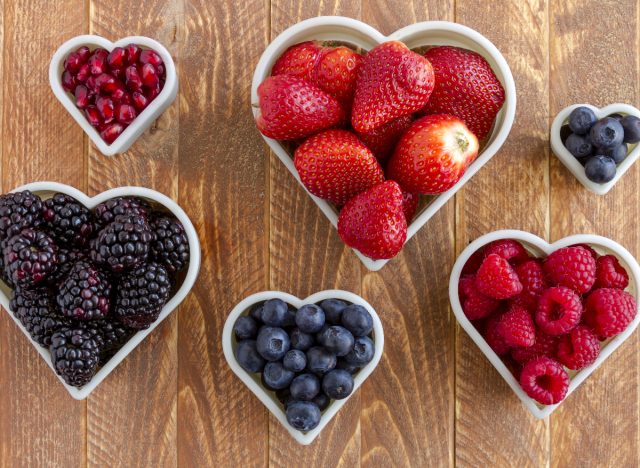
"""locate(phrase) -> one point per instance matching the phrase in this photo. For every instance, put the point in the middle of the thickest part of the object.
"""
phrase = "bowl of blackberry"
(88, 278)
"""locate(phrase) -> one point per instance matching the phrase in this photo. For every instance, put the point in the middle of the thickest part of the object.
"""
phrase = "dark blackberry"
(106, 212)
(29, 258)
(36, 310)
(18, 211)
(85, 293)
(75, 355)
(110, 336)
(141, 295)
(68, 220)
(67, 257)
(123, 244)
(171, 246)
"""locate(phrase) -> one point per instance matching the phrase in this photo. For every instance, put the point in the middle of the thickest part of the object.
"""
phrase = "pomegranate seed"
(139, 100)
(150, 75)
(133, 53)
(91, 84)
(152, 93)
(72, 62)
(105, 107)
(93, 116)
(111, 132)
(98, 61)
(106, 83)
(82, 96)
(84, 53)
(117, 73)
(132, 78)
(150, 56)
(161, 71)
(125, 114)
(117, 57)
(68, 81)
(119, 94)
(83, 73)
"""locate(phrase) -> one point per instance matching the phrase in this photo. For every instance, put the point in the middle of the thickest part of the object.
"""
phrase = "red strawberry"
(337, 71)
(291, 108)
(433, 154)
(465, 87)
(299, 60)
(409, 205)
(382, 141)
(373, 222)
(336, 166)
(393, 81)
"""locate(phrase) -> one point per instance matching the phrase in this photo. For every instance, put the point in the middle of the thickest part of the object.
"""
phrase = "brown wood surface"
(434, 400)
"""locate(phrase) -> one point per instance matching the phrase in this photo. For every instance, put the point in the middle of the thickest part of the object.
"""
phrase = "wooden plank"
(408, 403)
(598, 424)
(135, 409)
(39, 142)
(492, 427)
(222, 187)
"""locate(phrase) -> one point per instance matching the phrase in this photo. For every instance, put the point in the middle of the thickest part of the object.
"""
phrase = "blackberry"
(18, 211)
(67, 257)
(75, 355)
(29, 258)
(123, 244)
(106, 212)
(67, 220)
(171, 246)
(110, 336)
(141, 295)
(36, 310)
(85, 293)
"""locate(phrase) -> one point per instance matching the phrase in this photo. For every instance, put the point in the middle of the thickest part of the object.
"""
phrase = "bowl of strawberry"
(113, 90)
(545, 315)
(382, 130)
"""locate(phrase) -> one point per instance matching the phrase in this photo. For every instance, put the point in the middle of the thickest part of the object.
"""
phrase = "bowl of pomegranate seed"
(382, 130)
(114, 90)
(545, 315)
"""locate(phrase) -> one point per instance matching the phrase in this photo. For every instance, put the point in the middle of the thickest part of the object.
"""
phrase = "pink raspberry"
(493, 337)
(533, 282)
(544, 380)
(474, 262)
(609, 311)
(572, 267)
(559, 310)
(517, 328)
(545, 345)
(587, 247)
(496, 278)
(475, 305)
(578, 349)
(610, 274)
(509, 249)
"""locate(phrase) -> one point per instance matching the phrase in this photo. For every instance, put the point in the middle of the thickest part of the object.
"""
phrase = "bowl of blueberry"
(303, 358)
(597, 145)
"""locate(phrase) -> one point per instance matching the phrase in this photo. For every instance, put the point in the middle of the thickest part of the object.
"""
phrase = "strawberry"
(335, 165)
(299, 60)
(409, 205)
(393, 81)
(291, 108)
(373, 222)
(433, 154)
(382, 141)
(465, 87)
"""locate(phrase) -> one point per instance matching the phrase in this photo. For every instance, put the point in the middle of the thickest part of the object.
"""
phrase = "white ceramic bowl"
(538, 246)
(46, 190)
(144, 120)
(572, 163)
(356, 33)
(253, 380)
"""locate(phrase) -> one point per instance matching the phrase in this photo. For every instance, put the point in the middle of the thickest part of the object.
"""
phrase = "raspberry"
(544, 380)
(474, 262)
(475, 305)
(497, 279)
(573, 267)
(578, 349)
(510, 250)
(545, 345)
(587, 247)
(609, 311)
(610, 274)
(517, 328)
(559, 310)
(493, 337)
(533, 282)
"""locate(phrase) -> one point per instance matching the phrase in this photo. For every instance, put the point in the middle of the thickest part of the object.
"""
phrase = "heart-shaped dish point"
(572, 164)
(360, 35)
(46, 190)
(253, 380)
(144, 120)
(538, 246)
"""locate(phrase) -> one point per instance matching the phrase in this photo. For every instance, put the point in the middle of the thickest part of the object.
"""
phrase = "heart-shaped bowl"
(538, 246)
(573, 164)
(267, 397)
(144, 120)
(47, 190)
(359, 35)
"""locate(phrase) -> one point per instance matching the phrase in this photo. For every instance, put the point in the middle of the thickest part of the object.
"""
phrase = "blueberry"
(319, 334)
(350, 368)
(275, 376)
(600, 169)
(631, 126)
(616, 116)
(579, 146)
(333, 310)
(322, 401)
(310, 318)
(303, 415)
(272, 343)
(565, 131)
(290, 319)
(248, 357)
(284, 396)
(337, 339)
(606, 133)
(357, 320)
(275, 313)
(295, 360)
(256, 313)
(618, 153)
(300, 340)
(304, 387)
(320, 360)
(337, 384)
(362, 352)
(581, 120)
(245, 328)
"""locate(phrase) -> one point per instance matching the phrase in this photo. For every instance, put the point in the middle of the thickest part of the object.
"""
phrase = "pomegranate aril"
(83, 73)
(152, 93)
(68, 81)
(125, 114)
(161, 72)
(98, 61)
(117, 57)
(106, 109)
(139, 100)
(82, 96)
(117, 73)
(132, 78)
(111, 132)
(93, 116)
(106, 83)
(149, 75)
(84, 53)
(150, 56)
(133, 53)
(91, 84)
(119, 94)
(72, 62)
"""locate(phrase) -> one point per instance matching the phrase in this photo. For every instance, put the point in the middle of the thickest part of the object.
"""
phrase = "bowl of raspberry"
(545, 315)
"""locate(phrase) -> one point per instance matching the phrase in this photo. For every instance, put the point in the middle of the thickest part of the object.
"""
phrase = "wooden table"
(434, 400)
